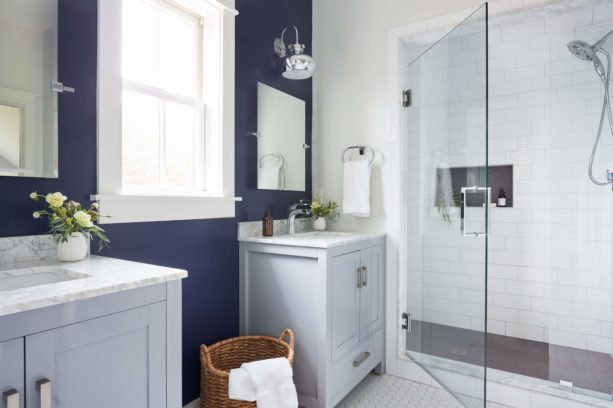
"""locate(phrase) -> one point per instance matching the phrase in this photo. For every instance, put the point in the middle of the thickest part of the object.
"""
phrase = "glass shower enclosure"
(447, 206)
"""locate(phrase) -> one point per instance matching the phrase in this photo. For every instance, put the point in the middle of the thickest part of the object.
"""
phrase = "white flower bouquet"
(67, 217)
(329, 210)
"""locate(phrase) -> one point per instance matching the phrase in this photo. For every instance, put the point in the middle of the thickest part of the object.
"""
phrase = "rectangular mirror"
(281, 140)
(28, 106)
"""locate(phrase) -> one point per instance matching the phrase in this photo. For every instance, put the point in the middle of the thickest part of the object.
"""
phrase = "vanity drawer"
(351, 369)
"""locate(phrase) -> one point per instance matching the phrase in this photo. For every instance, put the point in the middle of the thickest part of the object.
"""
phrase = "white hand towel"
(356, 188)
(269, 177)
(239, 386)
(273, 383)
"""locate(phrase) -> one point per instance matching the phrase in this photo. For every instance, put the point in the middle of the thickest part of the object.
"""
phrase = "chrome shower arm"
(600, 43)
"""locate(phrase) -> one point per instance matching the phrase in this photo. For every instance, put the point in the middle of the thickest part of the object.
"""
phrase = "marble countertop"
(103, 276)
(315, 239)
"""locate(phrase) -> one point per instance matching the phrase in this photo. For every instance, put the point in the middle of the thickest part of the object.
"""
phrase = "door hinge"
(407, 99)
(406, 322)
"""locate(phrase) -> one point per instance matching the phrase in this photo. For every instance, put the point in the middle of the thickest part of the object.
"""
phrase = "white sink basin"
(36, 276)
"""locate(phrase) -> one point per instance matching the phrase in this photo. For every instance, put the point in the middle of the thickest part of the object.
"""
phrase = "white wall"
(349, 44)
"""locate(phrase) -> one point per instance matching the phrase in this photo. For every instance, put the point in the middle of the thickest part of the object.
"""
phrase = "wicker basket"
(217, 361)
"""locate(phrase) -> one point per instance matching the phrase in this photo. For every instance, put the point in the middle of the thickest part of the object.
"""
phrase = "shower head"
(587, 52)
(582, 50)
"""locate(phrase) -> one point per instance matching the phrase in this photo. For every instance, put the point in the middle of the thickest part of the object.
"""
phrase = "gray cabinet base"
(122, 349)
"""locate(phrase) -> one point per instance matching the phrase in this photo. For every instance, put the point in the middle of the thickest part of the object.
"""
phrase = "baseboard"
(194, 404)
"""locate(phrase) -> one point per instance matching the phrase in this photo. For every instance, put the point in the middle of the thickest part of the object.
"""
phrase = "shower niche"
(451, 180)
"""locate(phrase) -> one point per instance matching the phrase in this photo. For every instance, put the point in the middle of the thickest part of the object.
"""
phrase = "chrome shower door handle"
(11, 399)
(463, 199)
(44, 388)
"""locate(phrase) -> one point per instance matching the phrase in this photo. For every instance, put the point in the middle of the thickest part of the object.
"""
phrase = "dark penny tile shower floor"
(586, 369)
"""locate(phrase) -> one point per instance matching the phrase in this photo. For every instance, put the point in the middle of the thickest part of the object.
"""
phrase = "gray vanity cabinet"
(11, 373)
(112, 361)
(331, 296)
(117, 350)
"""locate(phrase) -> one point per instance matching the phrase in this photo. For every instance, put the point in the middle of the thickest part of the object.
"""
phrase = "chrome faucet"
(299, 210)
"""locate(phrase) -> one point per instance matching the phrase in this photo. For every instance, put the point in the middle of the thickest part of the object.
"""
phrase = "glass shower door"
(447, 204)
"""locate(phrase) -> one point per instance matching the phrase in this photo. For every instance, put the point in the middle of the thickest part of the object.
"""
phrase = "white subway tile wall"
(550, 259)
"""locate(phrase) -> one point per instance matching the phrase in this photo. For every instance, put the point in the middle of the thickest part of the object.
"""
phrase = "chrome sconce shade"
(296, 65)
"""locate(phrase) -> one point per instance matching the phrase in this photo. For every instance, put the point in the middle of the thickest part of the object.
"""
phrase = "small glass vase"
(319, 224)
(73, 249)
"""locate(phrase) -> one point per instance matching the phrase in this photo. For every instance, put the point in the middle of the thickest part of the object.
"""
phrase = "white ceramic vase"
(74, 249)
(319, 224)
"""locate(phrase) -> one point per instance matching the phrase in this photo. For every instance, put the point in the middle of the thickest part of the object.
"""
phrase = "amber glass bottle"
(267, 224)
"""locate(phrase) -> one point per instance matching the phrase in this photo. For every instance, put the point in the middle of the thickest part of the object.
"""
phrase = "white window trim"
(219, 200)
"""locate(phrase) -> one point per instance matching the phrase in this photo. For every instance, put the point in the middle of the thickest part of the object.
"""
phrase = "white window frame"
(218, 201)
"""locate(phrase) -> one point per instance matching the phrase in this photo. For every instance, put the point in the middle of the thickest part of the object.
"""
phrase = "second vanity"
(328, 288)
(100, 332)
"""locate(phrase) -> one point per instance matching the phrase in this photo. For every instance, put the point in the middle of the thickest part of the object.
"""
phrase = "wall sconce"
(297, 65)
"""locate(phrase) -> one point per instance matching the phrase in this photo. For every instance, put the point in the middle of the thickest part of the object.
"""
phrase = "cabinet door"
(344, 303)
(371, 293)
(117, 360)
(11, 373)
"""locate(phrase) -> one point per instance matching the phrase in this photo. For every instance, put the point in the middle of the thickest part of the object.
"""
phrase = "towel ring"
(362, 149)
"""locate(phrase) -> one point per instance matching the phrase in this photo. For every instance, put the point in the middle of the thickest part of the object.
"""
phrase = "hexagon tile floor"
(386, 391)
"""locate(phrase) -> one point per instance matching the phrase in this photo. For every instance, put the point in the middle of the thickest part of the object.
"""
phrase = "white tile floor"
(387, 391)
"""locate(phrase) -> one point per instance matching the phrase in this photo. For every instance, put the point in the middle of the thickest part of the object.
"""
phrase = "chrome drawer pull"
(364, 357)
(11, 399)
(359, 271)
(44, 388)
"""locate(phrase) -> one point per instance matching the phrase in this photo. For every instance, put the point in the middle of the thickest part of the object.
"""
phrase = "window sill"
(151, 208)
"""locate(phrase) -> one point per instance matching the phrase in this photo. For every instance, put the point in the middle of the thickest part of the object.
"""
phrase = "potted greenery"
(321, 211)
(71, 225)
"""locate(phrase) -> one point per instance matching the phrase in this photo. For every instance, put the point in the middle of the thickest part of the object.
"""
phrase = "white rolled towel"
(239, 386)
(268, 382)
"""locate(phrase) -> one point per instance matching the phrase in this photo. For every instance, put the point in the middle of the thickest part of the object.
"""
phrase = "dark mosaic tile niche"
(449, 182)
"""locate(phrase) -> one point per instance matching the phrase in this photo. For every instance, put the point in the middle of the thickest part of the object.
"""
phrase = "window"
(162, 105)
(166, 109)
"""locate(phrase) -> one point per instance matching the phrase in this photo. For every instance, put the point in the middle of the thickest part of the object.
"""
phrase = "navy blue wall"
(206, 248)
(257, 25)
